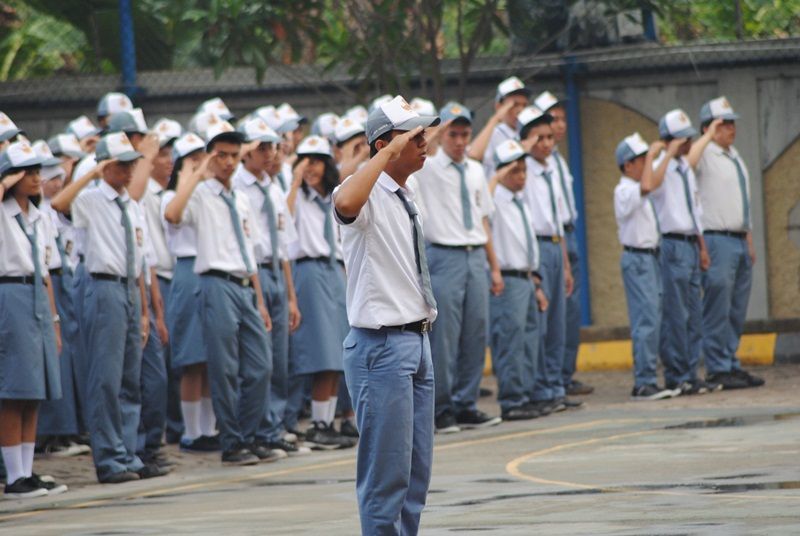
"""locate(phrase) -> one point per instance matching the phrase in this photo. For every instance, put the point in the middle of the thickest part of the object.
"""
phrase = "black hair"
(35, 199)
(341, 144)
(330, 177)
(226, 137)
(704, 125)
(176, 169)
(545, 119)
(462, 121)
(386, 136)
(622, 166)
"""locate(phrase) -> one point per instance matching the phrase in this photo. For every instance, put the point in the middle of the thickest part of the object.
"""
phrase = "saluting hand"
(501, 112)
(674, 146)
(713, 126)
(10, 180)
(656, 147)
(149, 146)
(529, 142)
(399, 143)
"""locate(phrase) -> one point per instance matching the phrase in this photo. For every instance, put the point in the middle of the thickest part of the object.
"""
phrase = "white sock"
(27, 458)
(332, 409)
(208, 419)
(319, 411)
(191, 419)
(12, 458)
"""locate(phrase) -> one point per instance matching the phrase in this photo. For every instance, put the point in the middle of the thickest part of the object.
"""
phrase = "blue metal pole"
(649, 21)
(576, 167)
(127, 48)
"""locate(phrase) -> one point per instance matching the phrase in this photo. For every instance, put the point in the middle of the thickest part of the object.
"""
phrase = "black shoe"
(266, 454)
(345, 442)
(555, 405)
(475, 418)
(152, 470)
(652, 392)
(446, 423)
(289, 448)
(23, 488)
(172, 438)
(728, 381)
(156, 457)
(239, 455)
(543, 407)
(520, 413)
(47, 483)
(577, 388)
(301, 436)
(120, 478)
(323, 437)
(569, 403)
(200, 444)
(752, 381)
(348, 429)
(484, 392)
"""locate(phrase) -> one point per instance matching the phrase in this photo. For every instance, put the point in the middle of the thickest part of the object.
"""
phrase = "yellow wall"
(781, 194)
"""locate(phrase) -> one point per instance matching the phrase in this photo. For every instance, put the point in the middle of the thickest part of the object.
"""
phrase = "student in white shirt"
(198, 432)
(235, 319)
(316, 346)
(390, 307)
(455, 206)
(727, 229)
(515, 312)
(640, 237)
(114, 308)
(683, 256)
(30, 341)
(276, 232)
(568, 211)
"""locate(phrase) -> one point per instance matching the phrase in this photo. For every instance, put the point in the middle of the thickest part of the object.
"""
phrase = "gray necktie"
(328, 233)
(62, 253)
(466, 206)
(130, 252)
(38, 288)
(655, 215)
(230, 200)
(269, 209)
(548, 178)
(688, 194)
(419, 250)
(567, 193)
(742, 189)
(528, 234)
(280, 181)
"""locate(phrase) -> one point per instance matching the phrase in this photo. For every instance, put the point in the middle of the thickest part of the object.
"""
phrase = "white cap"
(167, 130)
(676, 123)
(718, 108)
(116, 145)
(18, 155)
(396, 114)
(82, 128)
(545, 101)
(314, 145)
(257, 129)
(51, 172)
(528, 115)
(325, 125)
(423, 106)
(113, 103)
(631, 147)
(128, 121)
(201, 121)
(347, 128)
(7, 128)
(66, 144)
(357, 113)
(508, 151)
(186, 144)
(43, 150)
(218, 127)
(377, 101)
(216, 106)
(270, 116)
(510, 85)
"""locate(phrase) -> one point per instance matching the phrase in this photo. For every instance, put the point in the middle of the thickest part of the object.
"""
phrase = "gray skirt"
(29, 368)
(183, 316)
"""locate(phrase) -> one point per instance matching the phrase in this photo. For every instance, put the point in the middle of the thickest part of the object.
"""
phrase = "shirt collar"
(110, 193)
(444, 159)
(507, 130)
(722, 152)
(627, 180)
(11, 207)
(245, 176)
(215, 186)
(502, 193)
(537, 167)
(154, 187)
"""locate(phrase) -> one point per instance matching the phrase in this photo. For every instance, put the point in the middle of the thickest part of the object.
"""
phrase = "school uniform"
(62, 417)
(680, 215)
(514, 314)
(501, 133)
(639, 235)
(29, 368)
(568, 213)
(543, 194)
(275, 223)
(114, 247)
(388, 363)
(453, 209)
(236, 341)
(724, 187)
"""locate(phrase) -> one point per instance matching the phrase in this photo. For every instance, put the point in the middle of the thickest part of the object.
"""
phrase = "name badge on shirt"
(139, 237)
(48, 251)
(280, 222)
(68, 247)
(246, 228)
(478, 198)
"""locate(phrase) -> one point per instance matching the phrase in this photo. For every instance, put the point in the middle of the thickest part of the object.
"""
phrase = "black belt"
(265, 265)
(110, 277)
(547, 238)
(648, 251)
(56, 271)
(522, 274)
(81, 257)
(681, 236)
(569, 227)
(187, 257)
(22, 279)
(318, 259)
(420, 326)
(462, 248)
(734, 234)
(241, 281)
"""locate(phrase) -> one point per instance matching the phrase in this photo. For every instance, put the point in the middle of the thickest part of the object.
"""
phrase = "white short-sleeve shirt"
(508, 232)
(246, 182)
(181, 238)
(567, 211)
(720, 192)
(16, 258)
(384, 287)
(59, 228)
(217, 243)
(670, 199)
(538, 194)
(636, 216)
(309, 221)
(439, 199)
(96, 211)
(162, 260)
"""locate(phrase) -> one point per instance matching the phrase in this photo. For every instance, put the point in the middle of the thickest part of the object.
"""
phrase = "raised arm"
(648, 182)
(297, 180)
(141, 173)
(188, 180)
(657, 178)
(479, 144)
(63, 200)
(696, 152)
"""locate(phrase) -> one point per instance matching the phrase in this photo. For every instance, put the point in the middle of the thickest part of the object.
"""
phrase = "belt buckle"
(245, 282)
(556, 239)
(469, 248)
(425, 326)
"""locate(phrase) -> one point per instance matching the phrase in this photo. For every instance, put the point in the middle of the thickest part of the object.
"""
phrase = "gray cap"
(129, 121)
(396, 114)
(66, 144)
(676, 124)
(112, 103)
(117, 146)
(19, 154)
(453, 110)
(718, 108)
(7, 128)
(630, 148)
